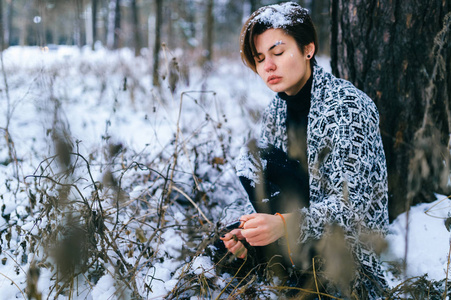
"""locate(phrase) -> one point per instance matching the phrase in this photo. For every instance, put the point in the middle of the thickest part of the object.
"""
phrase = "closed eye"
(279, 54)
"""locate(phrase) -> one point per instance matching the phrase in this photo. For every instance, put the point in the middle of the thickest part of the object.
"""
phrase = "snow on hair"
(280, 15)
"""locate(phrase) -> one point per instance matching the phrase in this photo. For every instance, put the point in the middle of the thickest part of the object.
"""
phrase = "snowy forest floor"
(111, 188)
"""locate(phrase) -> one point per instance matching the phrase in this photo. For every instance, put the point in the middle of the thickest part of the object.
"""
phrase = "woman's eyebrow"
(275, 45)
(272, 47)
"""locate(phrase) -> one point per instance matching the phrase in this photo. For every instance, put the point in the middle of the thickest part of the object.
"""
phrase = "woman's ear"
(309, 50)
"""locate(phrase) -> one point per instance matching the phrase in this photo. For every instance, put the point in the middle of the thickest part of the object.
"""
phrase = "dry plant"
(87, 228)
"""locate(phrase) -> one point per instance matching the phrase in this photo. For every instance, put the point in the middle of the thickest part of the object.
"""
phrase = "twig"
(301, 290)
(447, 272)
(234, 276)
(179, 133)
(314, 276)
(12, 281)
(92, 180)
(193, 203)
(434, 205)
(59, 183)
(239, 283)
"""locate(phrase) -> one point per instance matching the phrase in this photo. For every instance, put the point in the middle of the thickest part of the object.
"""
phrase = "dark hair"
(288, 16)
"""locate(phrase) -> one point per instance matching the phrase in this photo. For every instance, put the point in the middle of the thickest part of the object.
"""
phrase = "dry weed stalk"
(445, 293)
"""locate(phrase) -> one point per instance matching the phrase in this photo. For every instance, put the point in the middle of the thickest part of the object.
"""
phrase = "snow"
(428, 240)
(104, 289)
(87, 87)
(279, 15)
(203, 265)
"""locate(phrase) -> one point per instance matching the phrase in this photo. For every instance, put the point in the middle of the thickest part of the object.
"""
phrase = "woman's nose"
(269, 65)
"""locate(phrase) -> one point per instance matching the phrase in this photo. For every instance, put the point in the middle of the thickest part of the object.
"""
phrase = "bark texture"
(157, 42)
(94, 22)
(137, 41)
(398, 52)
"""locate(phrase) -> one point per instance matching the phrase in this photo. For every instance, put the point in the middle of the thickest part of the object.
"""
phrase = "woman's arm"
(348, 185)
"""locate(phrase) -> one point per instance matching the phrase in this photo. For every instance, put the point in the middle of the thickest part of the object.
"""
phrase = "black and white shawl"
(346, 164)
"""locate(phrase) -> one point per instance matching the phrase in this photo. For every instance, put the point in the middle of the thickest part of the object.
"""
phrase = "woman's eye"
(279, 54)
(260, 60)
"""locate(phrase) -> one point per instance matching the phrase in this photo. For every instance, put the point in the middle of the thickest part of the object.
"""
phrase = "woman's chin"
(275, 89)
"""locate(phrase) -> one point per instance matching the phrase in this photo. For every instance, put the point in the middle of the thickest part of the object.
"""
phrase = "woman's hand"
(232, 243)
(262, 229)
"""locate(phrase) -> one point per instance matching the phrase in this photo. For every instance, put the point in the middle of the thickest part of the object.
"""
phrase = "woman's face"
(280, 63)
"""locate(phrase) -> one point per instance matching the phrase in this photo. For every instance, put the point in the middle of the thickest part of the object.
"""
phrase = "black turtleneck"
(298, 107)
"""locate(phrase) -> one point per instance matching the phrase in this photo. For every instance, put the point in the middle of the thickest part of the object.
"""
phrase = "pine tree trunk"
(2, 29)
(157, 42)
(386, 48)
(117, 25)
(94, 22)
(208, 34)
(136, 32)
(8, 23)
(23, 25)
(114, 23)
(78, 30)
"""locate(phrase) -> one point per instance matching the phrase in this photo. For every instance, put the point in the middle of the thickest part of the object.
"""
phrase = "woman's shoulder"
(325, 80)
(334, 91)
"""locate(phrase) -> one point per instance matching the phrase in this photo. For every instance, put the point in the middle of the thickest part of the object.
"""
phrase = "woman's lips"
(274, 79)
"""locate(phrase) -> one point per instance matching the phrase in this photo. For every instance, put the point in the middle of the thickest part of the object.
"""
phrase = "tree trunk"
(94, 22)
(136, 32)
(114, 21)
(157, 42)
(387, 48)
(78, 30)
(41, 20)
(2, 29)
(8, 23)
(321, 17)
(208, 35)
(117, 25)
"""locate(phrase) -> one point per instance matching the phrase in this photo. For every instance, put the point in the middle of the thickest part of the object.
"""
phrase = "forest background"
(84, 204)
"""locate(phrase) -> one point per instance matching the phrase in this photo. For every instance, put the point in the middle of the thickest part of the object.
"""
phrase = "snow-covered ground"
(106, 98)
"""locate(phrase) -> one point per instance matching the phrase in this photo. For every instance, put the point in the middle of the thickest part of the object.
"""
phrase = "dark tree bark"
(157, 42)
(136, 32)
(78, 30)
(321, 17)
(208, 34)
(9, 23)
(389, 49)
(2, 29)
(114, 24)
(117, 25)
(94, 22)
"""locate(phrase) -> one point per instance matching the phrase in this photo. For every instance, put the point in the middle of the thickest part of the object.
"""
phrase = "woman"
(319, 161)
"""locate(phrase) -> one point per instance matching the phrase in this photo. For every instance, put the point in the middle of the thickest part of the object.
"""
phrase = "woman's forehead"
(271, 38)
